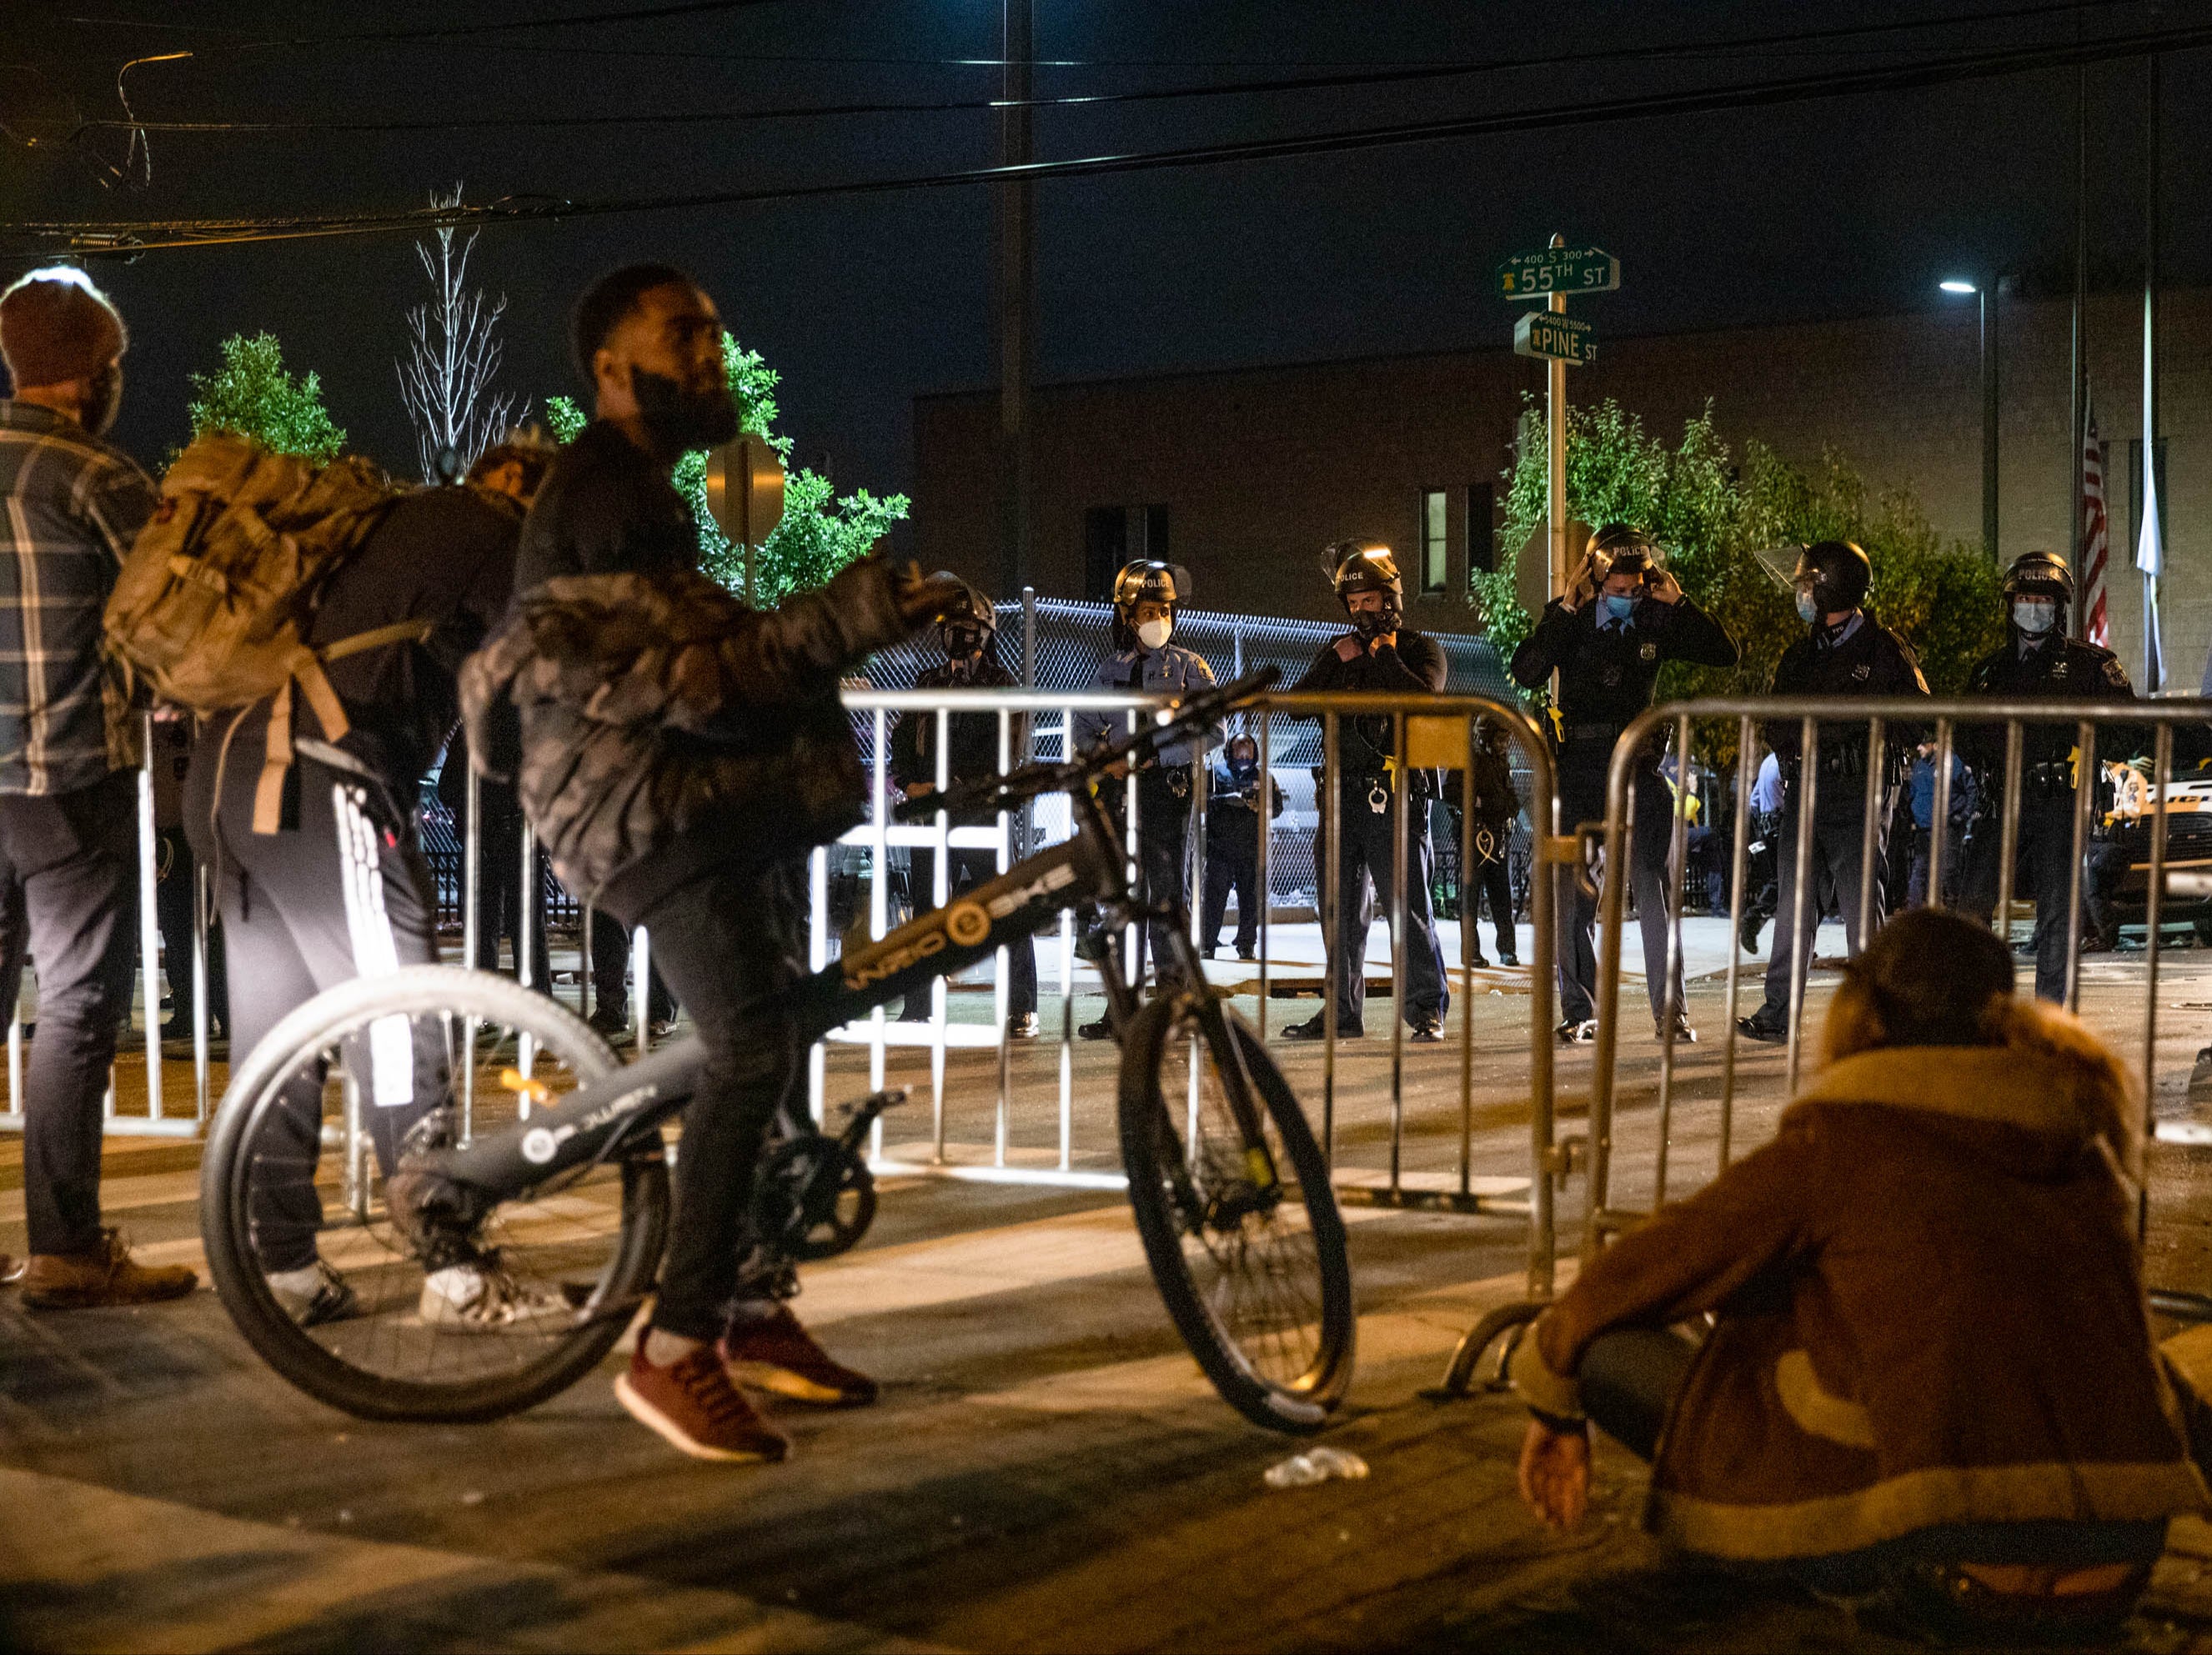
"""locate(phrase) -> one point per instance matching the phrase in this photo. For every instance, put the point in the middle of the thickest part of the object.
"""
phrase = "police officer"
(2038, 659)
(1846, 652)
(1496, 806)
(1622, 619)
(1379, 653)
(1233, 827)
(969, 633)
(1148, 595)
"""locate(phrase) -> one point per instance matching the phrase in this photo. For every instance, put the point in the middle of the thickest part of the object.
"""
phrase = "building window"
(1116, 535)
(1481, 528)
(1436, 544)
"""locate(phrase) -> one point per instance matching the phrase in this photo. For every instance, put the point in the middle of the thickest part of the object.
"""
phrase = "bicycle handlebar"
(1019, 786)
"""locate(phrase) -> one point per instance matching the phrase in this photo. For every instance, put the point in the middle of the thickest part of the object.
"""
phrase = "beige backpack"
(211, 606)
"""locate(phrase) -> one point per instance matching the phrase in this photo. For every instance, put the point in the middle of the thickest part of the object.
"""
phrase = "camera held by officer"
(2037, 660)
(1845, 653)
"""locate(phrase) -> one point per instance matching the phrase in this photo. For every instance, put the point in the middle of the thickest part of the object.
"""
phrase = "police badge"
(1650, 652)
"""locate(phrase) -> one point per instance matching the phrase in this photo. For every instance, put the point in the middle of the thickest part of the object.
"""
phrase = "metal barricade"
(1035, 1133)
(2139, 730)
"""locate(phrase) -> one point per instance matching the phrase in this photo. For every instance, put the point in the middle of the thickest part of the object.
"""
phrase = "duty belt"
(1580, 733)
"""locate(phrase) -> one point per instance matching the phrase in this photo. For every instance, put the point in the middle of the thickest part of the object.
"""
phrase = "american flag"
(2095, 536)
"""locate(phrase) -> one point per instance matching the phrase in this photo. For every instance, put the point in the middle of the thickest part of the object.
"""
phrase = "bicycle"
(540, 1184)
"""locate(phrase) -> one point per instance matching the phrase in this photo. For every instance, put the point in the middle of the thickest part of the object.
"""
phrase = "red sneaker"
(694, 1406)
(774, 1354)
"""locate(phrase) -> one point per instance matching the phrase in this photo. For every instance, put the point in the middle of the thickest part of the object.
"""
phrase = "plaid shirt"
(74, 503)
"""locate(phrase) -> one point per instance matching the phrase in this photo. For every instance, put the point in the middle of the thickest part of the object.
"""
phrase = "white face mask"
(1153, 634)
(2034, 615)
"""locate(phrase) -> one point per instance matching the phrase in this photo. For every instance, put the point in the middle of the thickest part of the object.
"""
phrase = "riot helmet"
(2038, 589)
(1147, 580)
(1368, 566)
(969, 626)
(1621, 549)
(1831, 576)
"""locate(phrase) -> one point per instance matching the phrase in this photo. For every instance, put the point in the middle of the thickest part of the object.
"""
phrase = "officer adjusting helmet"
(2039, 590)
(1617, 549)
(1832, 577)
(970, 626)
(1368, 566)
(1147, 580)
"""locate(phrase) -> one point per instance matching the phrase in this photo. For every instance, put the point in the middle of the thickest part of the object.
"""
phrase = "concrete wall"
(1260, 468)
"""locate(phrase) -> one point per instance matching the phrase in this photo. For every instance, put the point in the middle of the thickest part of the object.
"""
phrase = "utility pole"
(1017, 282)
(1555, 419)
(1992, 299)
(2078, 618)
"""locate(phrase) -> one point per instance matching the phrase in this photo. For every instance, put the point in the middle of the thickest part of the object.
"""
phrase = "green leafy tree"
(252, 392)
(819, 534)
(1715, 517)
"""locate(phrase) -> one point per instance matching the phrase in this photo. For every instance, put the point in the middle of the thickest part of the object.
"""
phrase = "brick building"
(1244, 475)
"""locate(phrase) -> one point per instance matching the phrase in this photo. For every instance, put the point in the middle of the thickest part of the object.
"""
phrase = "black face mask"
(1374, 623)
(961, 641)
(684, 419)
(104, 399)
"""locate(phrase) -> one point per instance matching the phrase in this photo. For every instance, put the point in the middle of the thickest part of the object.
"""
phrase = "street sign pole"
(1555, 406)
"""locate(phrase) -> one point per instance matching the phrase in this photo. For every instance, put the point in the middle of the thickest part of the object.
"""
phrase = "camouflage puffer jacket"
(660, 708)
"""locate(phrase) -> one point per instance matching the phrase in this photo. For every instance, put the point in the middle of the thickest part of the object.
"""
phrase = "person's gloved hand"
(1589, 575)
(1660, 586)
(921, 600)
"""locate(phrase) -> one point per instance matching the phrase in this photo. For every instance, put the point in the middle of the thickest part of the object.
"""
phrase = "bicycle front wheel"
(1232, 1199)
(476, 1325)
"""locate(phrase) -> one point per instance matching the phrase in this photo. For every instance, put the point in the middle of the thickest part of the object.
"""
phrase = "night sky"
(1815, 209)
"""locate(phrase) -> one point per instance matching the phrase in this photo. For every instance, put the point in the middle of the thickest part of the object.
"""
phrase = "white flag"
(2150, 558)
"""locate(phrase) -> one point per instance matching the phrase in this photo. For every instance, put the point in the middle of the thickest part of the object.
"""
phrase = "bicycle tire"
(1149, 1134)
(225, 1192)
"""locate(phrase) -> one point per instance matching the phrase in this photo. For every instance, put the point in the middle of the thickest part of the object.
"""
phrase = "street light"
(1988, 293)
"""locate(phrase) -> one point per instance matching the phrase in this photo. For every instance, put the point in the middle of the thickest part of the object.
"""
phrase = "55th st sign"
(1567, 270)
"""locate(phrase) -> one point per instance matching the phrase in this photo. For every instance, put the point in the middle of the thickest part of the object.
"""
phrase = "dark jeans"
(2043, 873)
(69, 898)
(1232, 863)
(728, 943)
(176, 885)
(1582, 799)
(1363, 882)
(609, 968)
(1630, 1379)
(966, 867)
(344, 894)
(1491, 879)
(1163, 831)
(498, 899)
(1838, 829)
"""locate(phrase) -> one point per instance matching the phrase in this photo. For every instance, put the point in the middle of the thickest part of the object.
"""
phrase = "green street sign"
(1558, 269)
(1562, 338)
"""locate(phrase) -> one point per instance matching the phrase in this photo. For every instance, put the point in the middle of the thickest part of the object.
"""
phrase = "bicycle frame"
(1091, 867)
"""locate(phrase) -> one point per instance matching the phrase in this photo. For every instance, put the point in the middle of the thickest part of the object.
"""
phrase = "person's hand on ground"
(1555, 1469)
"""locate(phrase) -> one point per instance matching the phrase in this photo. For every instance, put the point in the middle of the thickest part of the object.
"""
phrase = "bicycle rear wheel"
(530, 1300)
(1249, 1250)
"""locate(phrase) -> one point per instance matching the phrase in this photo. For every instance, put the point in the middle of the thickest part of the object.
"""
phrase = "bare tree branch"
(445, 378)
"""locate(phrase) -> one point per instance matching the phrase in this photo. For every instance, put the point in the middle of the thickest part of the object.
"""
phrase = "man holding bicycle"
(739, 762)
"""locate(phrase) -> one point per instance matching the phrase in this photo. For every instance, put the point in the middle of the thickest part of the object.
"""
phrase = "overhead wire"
(1154, 95)
(134, 237)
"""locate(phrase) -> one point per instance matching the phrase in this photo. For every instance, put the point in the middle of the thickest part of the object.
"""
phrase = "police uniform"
(1497, 804)
(2029, 667)
(1414, 663)
(1858, 656)
(1163, 783)
(1607, 670)
(975, 755)
(1233, 827)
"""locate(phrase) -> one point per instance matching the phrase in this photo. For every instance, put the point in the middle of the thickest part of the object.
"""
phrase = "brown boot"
(104, 1275)
(774, 1354)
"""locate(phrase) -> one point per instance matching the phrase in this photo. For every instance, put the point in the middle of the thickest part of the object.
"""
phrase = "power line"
(114, 237)
(441, 31)
(1299, 83)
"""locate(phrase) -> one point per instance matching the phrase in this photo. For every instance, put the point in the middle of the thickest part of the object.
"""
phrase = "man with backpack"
(686, 804)
(68, 889)
(331, 884)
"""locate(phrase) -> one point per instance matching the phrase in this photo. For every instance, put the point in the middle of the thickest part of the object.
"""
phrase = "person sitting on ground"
(1930, 1379)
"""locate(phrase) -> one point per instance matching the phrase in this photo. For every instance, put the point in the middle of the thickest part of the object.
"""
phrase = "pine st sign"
(1562, 338)
(1568, 271)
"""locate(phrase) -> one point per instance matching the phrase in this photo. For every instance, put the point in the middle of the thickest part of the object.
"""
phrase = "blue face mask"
(1618, 608)
(1806, 612)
